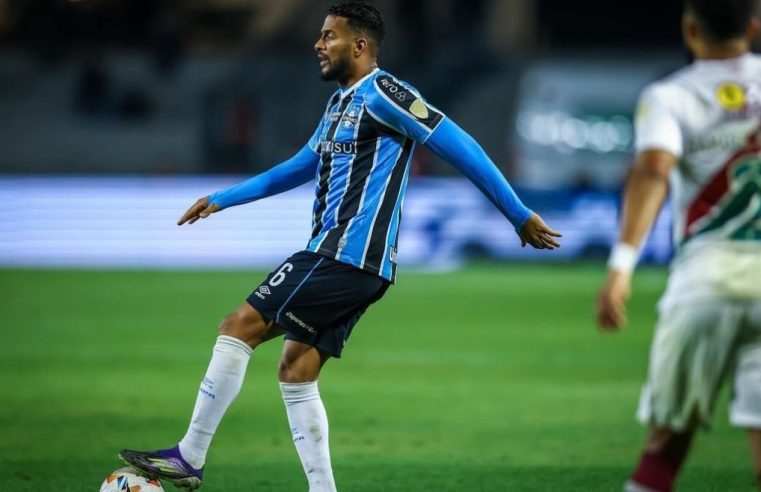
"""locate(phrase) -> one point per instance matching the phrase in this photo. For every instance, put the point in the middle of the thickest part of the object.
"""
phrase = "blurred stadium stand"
(133, 89)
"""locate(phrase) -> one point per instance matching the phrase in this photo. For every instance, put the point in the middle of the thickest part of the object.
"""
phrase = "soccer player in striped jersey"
(700, 128)
(358, 159)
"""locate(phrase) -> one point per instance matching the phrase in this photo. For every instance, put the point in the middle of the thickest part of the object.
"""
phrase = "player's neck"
(361, 72)
(722, 51)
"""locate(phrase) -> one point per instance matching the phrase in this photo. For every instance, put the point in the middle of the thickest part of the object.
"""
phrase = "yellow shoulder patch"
(731, 96)
(419, 109)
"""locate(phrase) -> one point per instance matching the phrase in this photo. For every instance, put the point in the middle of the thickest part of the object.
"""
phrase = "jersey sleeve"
(656, 125)
(287, 175)
(454, 145)
(401, 108)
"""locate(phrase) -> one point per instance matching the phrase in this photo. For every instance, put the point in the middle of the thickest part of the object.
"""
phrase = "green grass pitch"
(493, 378)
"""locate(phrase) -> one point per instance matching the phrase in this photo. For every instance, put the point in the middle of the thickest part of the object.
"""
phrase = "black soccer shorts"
(317, 300)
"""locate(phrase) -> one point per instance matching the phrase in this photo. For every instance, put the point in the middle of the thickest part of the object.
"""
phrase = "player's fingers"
(552, 232)
(617, 313)
(548, 240)
(187, 216)
(603, 321)
(536, 242)
(190, 213)
(608, 321)
(600, 315)
(607, 318)
(546, 244)
(609, 324)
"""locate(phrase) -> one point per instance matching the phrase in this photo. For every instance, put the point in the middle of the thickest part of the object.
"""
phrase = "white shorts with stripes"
(696, 347)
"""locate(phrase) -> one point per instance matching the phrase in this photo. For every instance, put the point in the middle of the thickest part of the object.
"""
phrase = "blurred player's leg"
(745, 409)
(691, 354)
(755, 451)
(664, 454)
(299, 369)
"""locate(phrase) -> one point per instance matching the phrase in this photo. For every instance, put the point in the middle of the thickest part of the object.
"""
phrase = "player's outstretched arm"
(287, 175)
(645, 192)
(400, 107)
(454, 145)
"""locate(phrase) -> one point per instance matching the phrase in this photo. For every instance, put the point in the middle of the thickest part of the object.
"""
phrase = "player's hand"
(538, 234)
(200, 210)
(611, 302)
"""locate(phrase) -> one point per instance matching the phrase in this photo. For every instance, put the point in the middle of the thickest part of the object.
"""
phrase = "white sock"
(219, 388)
(309, 427)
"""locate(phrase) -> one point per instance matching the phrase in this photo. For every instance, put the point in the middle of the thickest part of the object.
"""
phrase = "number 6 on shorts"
(279, 276)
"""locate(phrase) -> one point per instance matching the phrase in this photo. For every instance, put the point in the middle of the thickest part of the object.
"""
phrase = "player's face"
(334, 48)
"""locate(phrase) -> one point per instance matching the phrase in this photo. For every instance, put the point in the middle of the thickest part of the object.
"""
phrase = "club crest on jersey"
(351, 117)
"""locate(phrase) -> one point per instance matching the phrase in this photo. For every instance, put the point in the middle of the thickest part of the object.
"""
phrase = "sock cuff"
(224, 341)
(299, 392)
(655, 472)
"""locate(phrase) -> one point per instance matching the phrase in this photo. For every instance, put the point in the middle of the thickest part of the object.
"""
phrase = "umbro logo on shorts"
(262, 292)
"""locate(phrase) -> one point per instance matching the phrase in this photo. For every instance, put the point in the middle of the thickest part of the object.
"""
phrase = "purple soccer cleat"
(165, 464)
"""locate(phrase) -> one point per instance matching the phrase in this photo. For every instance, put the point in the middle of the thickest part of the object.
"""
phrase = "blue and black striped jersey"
(359, 159)
(365, 141)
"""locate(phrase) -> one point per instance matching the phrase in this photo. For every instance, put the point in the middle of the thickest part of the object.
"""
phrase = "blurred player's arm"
(287, 175)
(412, 116)
(659, 144)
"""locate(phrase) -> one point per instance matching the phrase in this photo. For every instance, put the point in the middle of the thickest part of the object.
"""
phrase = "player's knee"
(290, 372)
(227, 325)
(246, 326)
(286, 372)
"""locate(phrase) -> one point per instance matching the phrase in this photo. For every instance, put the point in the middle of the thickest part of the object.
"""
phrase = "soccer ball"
(126, 480)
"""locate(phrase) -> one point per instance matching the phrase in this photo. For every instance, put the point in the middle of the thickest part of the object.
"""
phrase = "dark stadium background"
(482, 370)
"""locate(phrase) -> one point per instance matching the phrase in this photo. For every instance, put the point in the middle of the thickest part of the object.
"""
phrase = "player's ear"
(689, 27)
(753, 27)
(360, 46)
(689, 31)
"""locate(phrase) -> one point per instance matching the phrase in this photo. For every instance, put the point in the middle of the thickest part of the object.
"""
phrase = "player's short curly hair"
(362, 16)
(722, 20)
